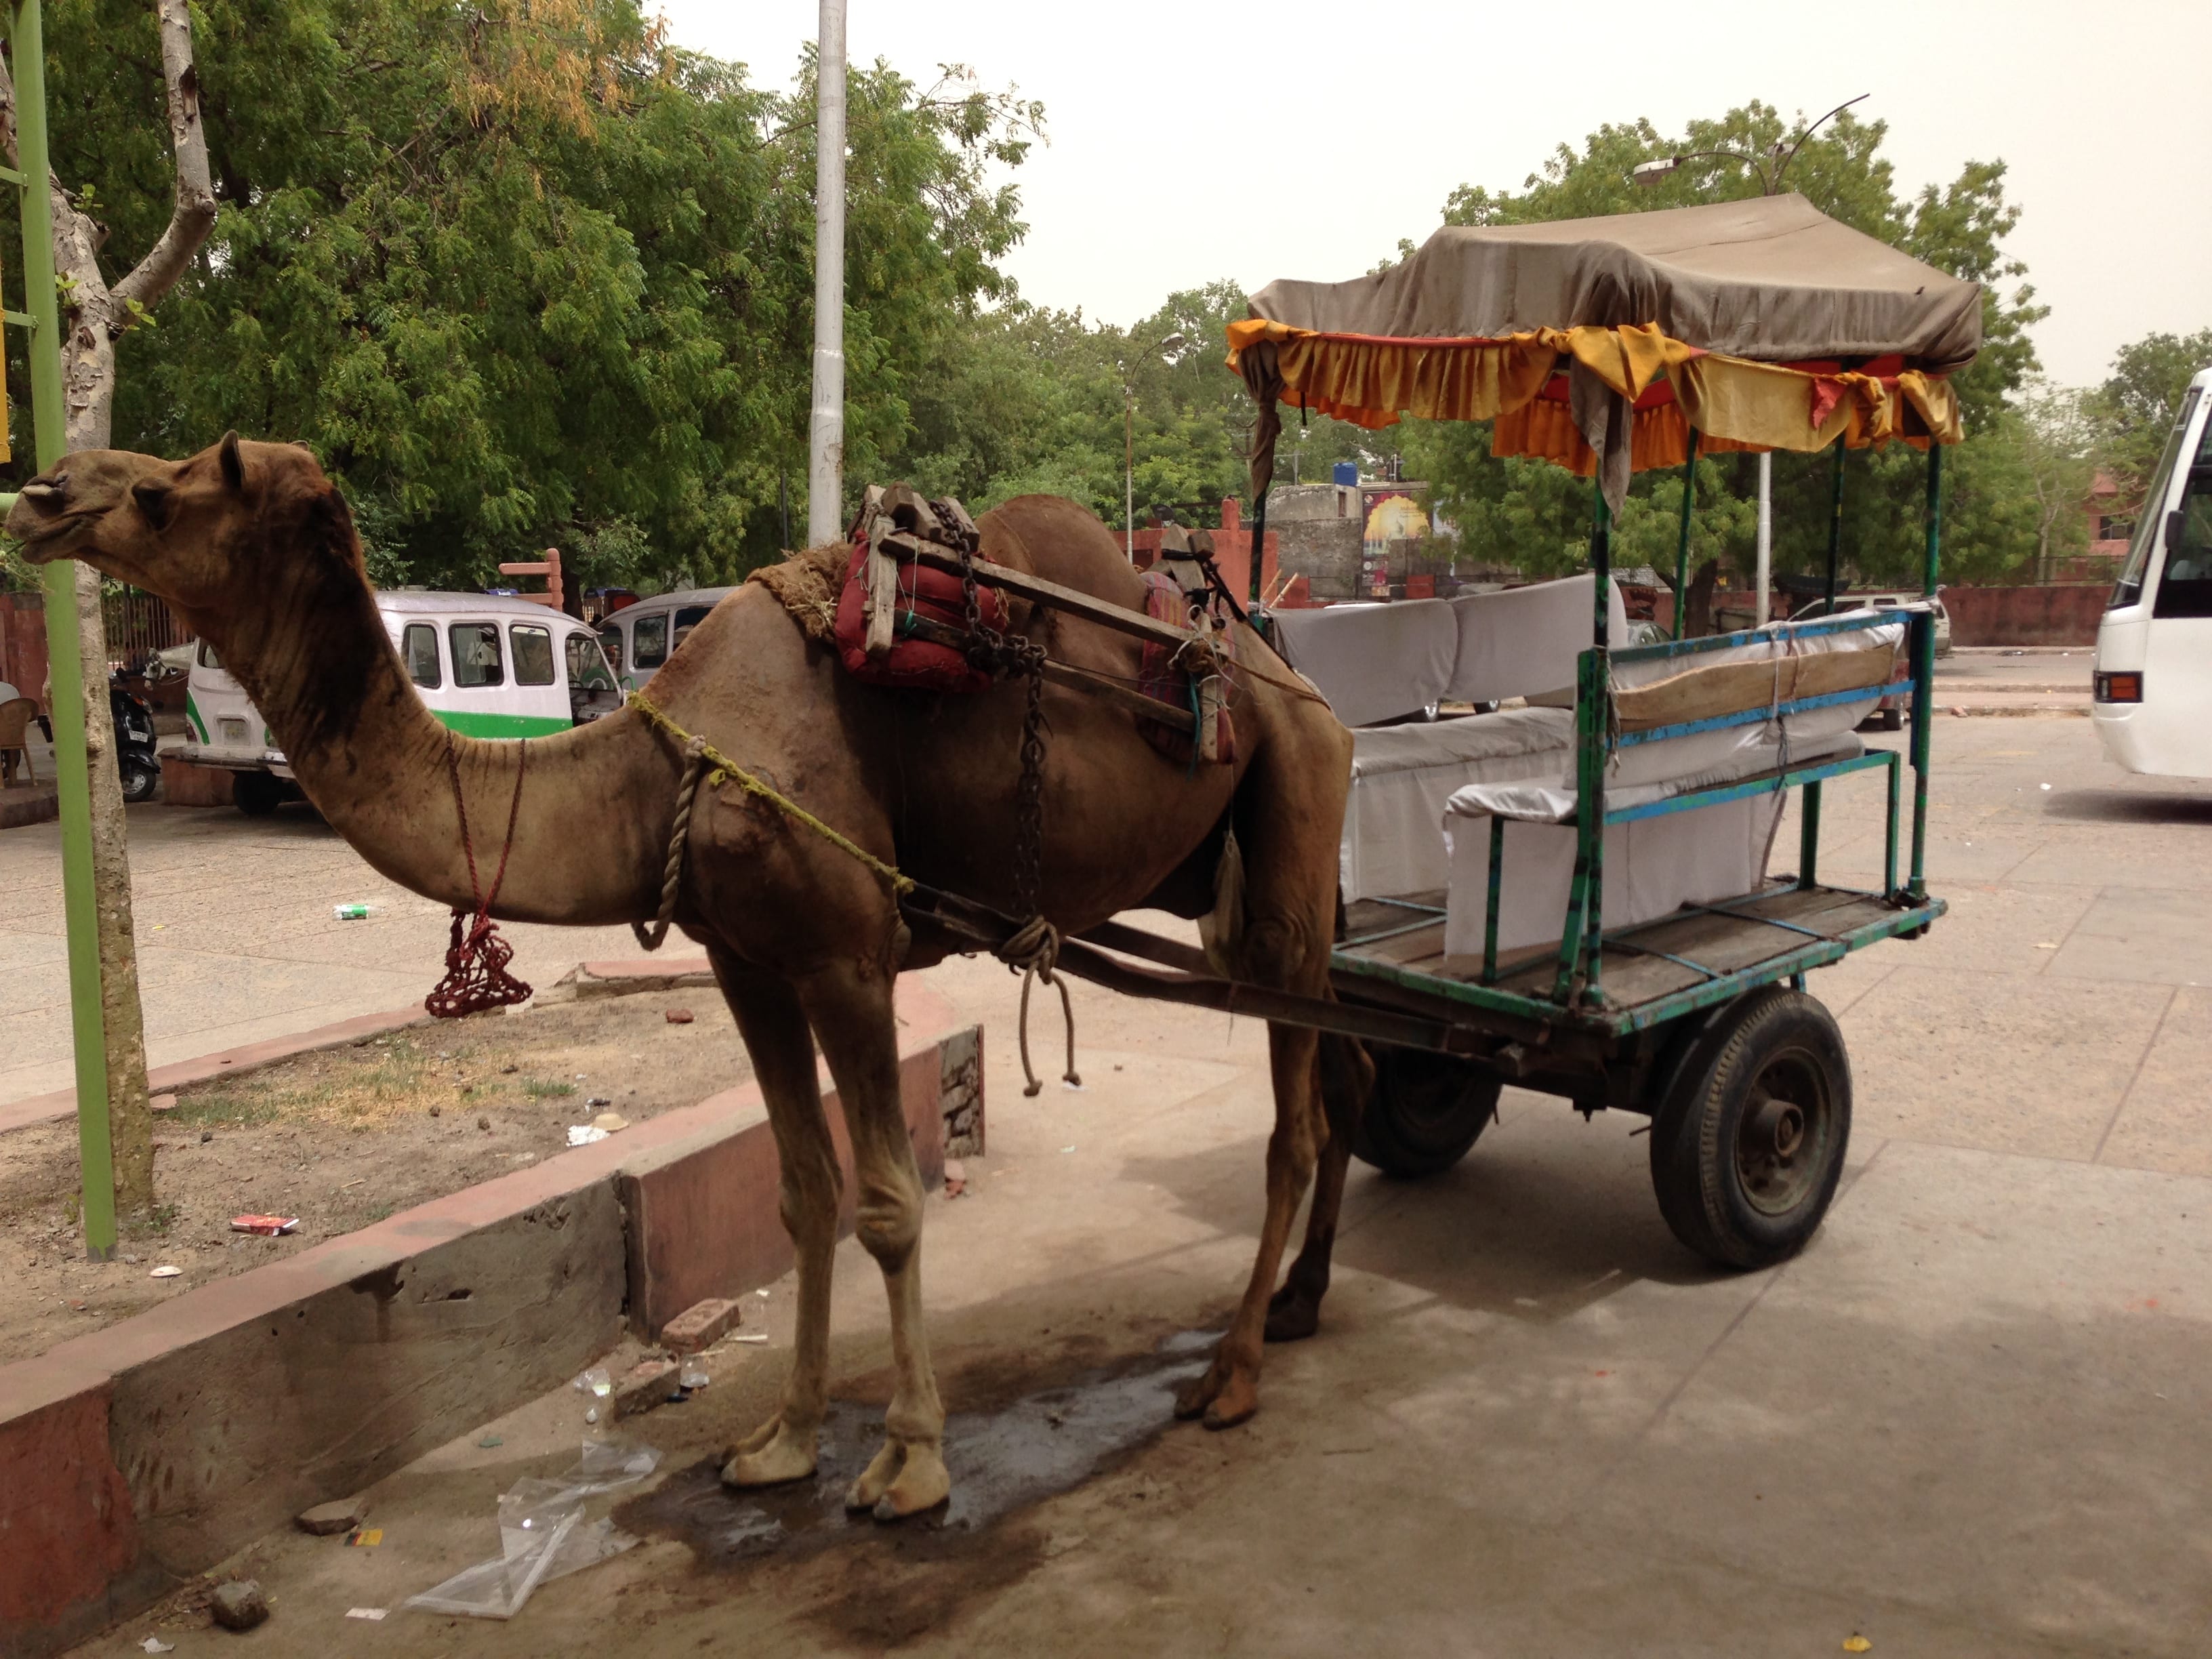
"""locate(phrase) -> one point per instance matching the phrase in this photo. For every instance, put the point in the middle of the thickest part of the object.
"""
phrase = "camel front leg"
(851, 1011)
(773, 1024)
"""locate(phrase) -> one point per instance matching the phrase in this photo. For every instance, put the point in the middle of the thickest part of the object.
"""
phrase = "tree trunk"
(130, 1113)
(95, 317)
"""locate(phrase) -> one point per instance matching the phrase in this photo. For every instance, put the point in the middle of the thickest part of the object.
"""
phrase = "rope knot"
(1033, 951)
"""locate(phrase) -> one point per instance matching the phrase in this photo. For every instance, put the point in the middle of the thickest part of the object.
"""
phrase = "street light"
(1660, 166)
(1651, 173)
(1166, 346)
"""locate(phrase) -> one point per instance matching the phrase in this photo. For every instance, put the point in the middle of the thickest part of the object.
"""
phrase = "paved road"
(1969, 1420)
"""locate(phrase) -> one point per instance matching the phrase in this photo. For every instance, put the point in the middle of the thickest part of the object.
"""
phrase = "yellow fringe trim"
(726, 770)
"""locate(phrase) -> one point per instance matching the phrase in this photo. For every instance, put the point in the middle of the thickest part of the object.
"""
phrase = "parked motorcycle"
(134, 757)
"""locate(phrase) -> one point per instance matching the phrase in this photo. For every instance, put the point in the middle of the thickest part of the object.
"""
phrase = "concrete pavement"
(1968, 1420)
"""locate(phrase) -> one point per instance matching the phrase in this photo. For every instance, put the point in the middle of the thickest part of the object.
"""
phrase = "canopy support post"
(1682, 541)
(1923, 675)
(1583, 938)
(1835, 526)
(1259, 558)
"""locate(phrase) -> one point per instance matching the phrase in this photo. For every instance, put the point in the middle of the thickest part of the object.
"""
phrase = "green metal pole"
(79, 904)
(1682, 543)
(1923, 675)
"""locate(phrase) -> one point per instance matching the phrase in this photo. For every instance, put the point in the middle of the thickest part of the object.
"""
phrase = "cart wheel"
(1748, 1142)
(257, 793)
(1426, 1111)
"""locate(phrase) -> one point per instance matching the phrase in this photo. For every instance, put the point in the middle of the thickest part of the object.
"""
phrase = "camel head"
(204, 532)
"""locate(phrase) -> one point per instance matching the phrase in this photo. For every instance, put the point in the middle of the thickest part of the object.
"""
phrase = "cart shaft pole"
(72, 767)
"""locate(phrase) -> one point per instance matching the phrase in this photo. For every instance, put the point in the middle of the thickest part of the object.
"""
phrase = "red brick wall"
(2060, 614)
(23, 642)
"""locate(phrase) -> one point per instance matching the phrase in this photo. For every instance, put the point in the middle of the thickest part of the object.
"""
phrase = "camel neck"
(311, 649)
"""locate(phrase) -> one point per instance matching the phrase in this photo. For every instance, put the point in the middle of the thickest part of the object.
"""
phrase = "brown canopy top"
(1772, 278)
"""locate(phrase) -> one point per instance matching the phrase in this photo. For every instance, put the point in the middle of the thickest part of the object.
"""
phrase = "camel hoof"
(923, 1483)
(1194, 1396)
(875, 1480)
(1238, 1400)
(1292, 1319)
(782, 1459)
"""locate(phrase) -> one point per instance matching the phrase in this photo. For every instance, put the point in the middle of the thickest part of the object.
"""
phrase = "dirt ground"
(341, 1139)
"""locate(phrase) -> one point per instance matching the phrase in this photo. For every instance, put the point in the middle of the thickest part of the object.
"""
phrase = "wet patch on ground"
(1003, 1461)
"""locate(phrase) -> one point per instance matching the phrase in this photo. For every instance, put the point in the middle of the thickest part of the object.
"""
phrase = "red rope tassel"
(476, 962)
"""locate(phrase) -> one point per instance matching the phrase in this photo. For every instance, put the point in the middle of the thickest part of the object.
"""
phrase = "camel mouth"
(39, 537)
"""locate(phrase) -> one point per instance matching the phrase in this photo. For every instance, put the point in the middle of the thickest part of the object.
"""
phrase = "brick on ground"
(701, 1325)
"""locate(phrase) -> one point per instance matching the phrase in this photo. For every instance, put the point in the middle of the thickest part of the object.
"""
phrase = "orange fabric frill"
(1735, 402)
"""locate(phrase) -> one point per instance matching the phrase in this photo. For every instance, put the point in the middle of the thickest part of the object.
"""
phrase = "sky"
(1191, 141)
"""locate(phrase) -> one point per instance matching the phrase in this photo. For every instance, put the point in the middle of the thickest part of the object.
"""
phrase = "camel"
(256, 549)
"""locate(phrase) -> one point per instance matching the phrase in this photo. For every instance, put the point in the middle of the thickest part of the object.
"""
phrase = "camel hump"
(1064, 542)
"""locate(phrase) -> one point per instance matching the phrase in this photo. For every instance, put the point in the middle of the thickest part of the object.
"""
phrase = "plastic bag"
(543, 1534)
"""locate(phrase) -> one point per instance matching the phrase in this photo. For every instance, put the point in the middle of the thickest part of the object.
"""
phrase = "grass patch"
(538, 1088)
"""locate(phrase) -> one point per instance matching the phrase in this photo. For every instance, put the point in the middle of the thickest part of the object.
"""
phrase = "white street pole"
(1765, 537)
(825, 433)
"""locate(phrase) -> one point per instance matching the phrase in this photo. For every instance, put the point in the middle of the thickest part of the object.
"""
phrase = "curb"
(136, 1457)
(39, 807)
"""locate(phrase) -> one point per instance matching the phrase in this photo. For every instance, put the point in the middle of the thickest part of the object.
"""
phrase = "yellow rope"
(726, 770)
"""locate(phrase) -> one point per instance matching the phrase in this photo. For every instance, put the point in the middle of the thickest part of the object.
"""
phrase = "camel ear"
(233, 464)
(155, 500)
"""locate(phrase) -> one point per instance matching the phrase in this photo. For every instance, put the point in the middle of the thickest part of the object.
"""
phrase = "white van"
(639, 638)
(2152, 684)
(488, 666)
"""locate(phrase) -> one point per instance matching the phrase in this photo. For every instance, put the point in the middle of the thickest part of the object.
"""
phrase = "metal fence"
(138, 625)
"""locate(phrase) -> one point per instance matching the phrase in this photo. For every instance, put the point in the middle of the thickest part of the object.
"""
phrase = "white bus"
(488, 666)
(2153, 708)
(640, 637)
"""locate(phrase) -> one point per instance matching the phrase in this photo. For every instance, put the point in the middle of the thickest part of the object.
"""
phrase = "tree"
(521, 271)
(2137, 404)
(95, 317)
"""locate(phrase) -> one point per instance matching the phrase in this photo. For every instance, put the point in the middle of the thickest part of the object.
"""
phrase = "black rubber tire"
(1748, 1140)
(139, 783)
(1426, 1113)
(257, 793)
(1893, 719)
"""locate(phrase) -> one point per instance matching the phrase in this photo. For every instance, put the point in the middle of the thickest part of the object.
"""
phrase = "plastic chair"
(16, 717)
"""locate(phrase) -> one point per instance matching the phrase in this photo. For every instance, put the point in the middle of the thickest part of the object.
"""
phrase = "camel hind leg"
(1346, 1076)
(773, 1024)
(1289, 809)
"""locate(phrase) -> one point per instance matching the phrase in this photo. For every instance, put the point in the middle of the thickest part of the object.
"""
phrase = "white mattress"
(1403, 777)
(1652, 866)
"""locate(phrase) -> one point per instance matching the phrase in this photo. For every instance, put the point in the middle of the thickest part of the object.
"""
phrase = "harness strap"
(695, 764)
(723, 770)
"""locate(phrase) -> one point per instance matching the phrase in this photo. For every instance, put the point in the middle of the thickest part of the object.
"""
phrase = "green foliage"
(1020, 399)
(2138, 402)
(521, 274)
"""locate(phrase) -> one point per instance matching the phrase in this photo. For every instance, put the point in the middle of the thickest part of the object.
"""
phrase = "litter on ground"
(543, 1534)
